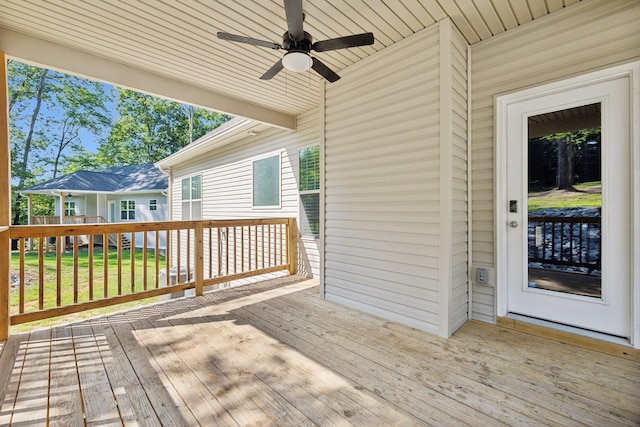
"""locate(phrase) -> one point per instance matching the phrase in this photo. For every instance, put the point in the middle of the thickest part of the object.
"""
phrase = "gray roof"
(118, 179)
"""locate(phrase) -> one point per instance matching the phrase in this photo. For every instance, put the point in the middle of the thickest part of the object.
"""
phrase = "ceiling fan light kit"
(297, 61)
(299, 45)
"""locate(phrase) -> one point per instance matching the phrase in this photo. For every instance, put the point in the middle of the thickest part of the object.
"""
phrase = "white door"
(568, 251)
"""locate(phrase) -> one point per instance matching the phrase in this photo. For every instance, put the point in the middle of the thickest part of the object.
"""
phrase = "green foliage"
(149, 129)
(582, 164)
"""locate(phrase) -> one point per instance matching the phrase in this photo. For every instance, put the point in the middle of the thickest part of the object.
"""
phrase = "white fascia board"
(59, 191)
(121, 193)
(55, 56)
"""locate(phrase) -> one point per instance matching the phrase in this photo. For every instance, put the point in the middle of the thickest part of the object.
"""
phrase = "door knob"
(513, 224)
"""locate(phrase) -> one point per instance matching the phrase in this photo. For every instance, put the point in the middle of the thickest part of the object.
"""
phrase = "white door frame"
(632, 71)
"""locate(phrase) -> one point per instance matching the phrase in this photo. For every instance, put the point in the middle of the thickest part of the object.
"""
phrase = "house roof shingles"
(119, 179)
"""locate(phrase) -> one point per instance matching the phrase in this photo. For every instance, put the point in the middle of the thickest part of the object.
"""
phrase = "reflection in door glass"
(565, 201)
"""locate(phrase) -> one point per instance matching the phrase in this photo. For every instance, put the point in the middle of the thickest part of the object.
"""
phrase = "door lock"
(513, 224)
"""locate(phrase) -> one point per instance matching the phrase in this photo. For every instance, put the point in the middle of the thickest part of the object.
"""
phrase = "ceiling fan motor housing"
(303, 45)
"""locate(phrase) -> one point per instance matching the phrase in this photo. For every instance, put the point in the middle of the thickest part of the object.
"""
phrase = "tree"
(26, 151)
(562, 159)
(149, 128)
(564, 176)
(49, 114)
(82, 108)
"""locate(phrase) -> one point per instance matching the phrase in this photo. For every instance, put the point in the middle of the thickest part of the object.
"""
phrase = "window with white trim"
(192, 197)
(127, 210)
(153, 205)
(69, 208)
(266, 182)
(309, 188)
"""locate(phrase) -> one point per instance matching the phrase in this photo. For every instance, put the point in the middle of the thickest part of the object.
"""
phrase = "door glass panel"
(565, 201)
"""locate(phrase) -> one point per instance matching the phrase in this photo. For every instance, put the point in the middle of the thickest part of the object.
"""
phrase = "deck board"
(65, 405)
(31, 403)
(274, 353)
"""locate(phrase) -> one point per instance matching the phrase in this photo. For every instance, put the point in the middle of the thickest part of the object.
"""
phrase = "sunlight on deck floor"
(274, 353)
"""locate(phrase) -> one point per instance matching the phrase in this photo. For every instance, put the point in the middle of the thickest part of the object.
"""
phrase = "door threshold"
(596, 341)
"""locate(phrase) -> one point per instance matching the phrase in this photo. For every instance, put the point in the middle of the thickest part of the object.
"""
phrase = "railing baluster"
(281, 243)
(188, 260)
(210, 230)
(21, 283)
(90, 261)
(198, 254)
(119, 263)
(263, 246)
(226, 250)
(219, 252)
(76, 278)
(269, 245)
(242, 248)
(235, 246)
(59, 270)
(41, 273)
(132, 262)
(144, 261)
(167, 257)
(105, 265)
(156, 253)
(255, 245)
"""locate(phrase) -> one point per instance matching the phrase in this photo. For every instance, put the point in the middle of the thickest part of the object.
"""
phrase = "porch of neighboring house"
(83, 240)
(274, 353)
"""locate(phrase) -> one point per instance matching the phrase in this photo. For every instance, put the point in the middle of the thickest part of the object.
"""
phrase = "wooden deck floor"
(276, 354)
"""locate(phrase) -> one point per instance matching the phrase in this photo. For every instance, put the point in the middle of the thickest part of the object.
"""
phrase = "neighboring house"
(265, 177)
(135, 193)
(423, 171)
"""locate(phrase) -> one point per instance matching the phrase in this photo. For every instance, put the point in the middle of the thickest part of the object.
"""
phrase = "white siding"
(383, 185)
(586, 37)
(143, 214)
(227, 180)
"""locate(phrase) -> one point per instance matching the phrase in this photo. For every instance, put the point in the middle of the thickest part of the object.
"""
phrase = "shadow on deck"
(274, 353)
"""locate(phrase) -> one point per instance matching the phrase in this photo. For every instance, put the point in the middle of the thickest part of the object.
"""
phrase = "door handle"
(513, 224)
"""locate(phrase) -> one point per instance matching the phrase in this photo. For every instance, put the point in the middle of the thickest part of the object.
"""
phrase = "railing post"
(5, 281)
(199, 257)
(292, 245)
(5, 203)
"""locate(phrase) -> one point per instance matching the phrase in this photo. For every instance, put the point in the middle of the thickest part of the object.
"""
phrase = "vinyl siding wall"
(585, 37)
(227, 180)
(457, 92)
(384, 189)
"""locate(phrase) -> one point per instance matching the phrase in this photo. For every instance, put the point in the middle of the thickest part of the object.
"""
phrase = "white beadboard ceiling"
(177, 38)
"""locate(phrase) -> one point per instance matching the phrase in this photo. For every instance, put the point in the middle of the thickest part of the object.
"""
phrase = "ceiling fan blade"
(295, 18)
(344, 42)
(248, 40)
(271, 72)
(324, 71)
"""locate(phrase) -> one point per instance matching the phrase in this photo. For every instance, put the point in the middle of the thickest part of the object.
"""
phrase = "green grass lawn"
(589, 195)
(67, 281)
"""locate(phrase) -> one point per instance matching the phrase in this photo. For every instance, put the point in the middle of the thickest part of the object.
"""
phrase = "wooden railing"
(44, 220)
(73, 219)
(85, 219)
(165, 257)
(565, 241)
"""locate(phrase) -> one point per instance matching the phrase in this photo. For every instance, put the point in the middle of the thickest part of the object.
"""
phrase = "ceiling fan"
(299, 44)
